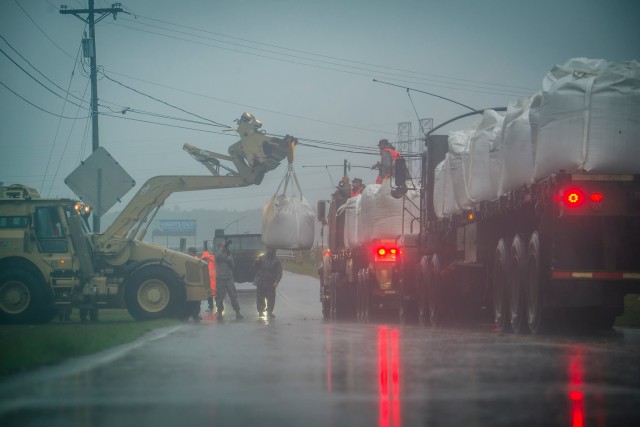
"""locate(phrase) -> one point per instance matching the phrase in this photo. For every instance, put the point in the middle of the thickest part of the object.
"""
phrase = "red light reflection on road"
(576, 385)
(389, 372)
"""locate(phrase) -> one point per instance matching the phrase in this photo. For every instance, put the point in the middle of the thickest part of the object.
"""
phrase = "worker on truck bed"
(224, 279)
(268, 275)
(356, 187)
(388, 155)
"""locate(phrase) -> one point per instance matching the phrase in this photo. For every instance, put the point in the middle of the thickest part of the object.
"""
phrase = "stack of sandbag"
(481, 159)
(587, 118)
(517, 148)
(365, 220)
(287, 218)
(449, 194)
(350, 210)
(387, 215)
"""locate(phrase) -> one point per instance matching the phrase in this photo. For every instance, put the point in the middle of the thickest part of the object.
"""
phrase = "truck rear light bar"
(594, 275)
(385, 254)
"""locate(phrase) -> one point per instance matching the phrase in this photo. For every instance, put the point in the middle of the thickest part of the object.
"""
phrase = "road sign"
(100, 181)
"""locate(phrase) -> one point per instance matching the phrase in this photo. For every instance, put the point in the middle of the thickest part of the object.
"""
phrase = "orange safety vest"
(354, 193)
(395, 155)
(211, 261)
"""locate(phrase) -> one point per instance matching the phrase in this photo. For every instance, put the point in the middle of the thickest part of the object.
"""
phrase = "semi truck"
(560, 248)
(363, 274)
(50, 260)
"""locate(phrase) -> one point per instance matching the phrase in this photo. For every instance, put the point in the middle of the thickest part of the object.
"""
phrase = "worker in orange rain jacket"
(356, 187)
(388, 155)
(211, 261)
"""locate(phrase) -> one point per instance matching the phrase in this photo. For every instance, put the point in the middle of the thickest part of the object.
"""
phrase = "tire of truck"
(517, 285)
(366, 297)
(537, 317)
(24, 298)
(421, 292)
(435, 301)
(408, 313)
(326, 305)
(359, 295)
(153, 293)
(333, 296)
(499, 290)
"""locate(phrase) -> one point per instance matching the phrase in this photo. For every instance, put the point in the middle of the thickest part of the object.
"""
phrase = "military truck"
(245, 249)
(51, 261)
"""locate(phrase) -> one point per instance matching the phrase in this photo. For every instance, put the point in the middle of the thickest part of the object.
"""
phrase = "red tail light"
(386, 254)
(574, 197)
(596, 197)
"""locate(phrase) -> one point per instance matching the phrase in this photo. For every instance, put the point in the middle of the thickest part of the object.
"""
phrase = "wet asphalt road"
(298, 370)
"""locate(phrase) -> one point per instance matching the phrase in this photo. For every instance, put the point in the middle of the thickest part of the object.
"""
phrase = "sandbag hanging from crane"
(287, 219)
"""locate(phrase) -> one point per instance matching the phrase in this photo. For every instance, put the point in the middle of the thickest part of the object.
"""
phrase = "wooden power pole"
(89, 51)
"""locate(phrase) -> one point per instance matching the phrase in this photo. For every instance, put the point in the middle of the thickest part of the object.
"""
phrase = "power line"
(252, 107)
(36, 106)
(163, 102)
(370, 73)
(316, 54)
(36, 80)
(67, 93)
(42, 31)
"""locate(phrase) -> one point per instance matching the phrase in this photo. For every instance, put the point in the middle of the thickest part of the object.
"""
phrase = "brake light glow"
(386, 254)
(573, 197)
(596, 197)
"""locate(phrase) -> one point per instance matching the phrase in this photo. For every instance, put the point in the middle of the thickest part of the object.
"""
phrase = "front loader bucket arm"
(253, 156)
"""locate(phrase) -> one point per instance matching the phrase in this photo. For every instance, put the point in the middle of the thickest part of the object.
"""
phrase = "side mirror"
(321, 210)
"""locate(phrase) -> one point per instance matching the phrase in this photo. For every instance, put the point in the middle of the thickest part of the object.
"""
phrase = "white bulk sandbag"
(288, 219)
(481, 158)
(587, 118)
(444, 200)
(387, 214)
(517, 147)
(458, 143)
(364, 221)
(350, 209)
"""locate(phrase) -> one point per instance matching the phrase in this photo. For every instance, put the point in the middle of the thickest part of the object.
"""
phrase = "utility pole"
(89, 50)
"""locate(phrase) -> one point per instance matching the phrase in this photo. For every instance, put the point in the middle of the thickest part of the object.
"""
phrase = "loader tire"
(153, 293)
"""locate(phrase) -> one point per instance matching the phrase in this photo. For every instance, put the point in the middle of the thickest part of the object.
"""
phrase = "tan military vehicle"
(50, 261)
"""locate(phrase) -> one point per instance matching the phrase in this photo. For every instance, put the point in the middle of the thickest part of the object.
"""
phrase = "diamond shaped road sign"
(100, 181)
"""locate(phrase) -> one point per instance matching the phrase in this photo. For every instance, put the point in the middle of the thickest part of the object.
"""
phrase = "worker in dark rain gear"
(224, 279)
(268, 275)
(388, 155)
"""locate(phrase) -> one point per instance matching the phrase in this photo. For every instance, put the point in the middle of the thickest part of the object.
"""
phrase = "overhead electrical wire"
(38, 107)
(38, 81)
(503, 92)
(451, 80)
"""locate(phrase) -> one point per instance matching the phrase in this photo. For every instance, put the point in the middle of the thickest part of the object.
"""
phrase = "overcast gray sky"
(302, 67)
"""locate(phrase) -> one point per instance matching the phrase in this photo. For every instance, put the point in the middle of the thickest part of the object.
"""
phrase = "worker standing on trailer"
(356, 187)
(388, 155)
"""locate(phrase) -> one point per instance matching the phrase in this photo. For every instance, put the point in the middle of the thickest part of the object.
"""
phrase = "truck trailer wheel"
(153, 293)
(24, 298)
(435, 298)
(517, 285)
(421, 292)
(537, 316)
(499, 288)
